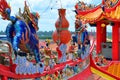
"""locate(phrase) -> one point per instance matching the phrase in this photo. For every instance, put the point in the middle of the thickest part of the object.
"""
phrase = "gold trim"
(105, 76)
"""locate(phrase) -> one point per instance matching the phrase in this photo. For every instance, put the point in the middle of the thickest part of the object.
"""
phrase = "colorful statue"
(21, 31)
(82, 37)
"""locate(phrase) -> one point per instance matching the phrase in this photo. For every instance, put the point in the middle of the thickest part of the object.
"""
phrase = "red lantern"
(59, 52)
(64, 36)
(61, 35)
(55, 36)
(62, 21)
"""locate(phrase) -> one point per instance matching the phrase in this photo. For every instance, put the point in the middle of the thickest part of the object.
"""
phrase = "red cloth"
(59, 52)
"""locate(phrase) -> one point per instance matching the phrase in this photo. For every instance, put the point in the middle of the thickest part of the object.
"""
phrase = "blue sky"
(48, 12)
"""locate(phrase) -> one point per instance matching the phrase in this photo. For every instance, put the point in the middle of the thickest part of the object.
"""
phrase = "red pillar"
(115, 41)
(98, 37)
(104, 34)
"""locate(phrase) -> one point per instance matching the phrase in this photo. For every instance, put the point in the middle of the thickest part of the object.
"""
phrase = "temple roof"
(111, 13)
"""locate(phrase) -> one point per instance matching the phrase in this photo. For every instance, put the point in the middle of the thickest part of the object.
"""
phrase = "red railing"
(103, 69)
(6, 72)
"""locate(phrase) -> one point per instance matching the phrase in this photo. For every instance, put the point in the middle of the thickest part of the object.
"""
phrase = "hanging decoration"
(61, 36)
(103, 25)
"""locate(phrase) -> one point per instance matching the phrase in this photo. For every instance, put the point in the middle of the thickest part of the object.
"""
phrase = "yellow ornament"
(103, 25)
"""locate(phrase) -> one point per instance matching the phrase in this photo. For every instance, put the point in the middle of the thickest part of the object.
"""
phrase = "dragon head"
(34, 18)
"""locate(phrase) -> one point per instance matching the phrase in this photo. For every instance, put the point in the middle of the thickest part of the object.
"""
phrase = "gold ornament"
(103, 25)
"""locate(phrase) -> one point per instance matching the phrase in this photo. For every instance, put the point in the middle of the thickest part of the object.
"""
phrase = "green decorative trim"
(60, 29)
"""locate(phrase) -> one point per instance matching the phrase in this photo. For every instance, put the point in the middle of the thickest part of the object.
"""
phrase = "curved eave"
(113, 15)
(81, 12)
(96, 14)
(92, 16)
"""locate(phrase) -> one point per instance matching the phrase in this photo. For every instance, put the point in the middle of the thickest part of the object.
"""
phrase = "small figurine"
(71, 51)
(51, 61)
(100, 60)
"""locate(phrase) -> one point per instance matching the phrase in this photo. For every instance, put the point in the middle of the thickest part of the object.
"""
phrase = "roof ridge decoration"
(100, 12)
